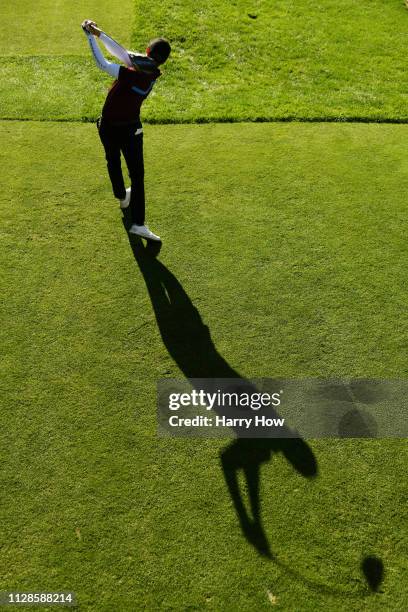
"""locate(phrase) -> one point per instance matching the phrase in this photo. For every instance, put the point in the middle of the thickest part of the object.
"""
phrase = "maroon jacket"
(127, 93)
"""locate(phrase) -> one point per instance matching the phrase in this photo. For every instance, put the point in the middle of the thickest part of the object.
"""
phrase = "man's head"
(159, 50)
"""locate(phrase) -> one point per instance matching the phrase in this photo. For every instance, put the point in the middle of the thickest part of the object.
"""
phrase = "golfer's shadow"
(189, 343)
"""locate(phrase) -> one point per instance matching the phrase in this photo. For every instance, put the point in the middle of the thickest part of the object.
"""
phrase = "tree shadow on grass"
(189, 343)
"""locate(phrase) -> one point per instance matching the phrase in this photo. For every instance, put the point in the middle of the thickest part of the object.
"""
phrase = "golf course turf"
(287, 240)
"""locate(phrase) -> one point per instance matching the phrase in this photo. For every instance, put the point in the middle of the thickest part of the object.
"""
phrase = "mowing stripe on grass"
(53, 27)
(71, 88)
(344, 61)
(335, 59)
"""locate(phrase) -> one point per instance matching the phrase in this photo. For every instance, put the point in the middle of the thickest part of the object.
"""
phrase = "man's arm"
(101, 62)
(111, 45)
(115, 49)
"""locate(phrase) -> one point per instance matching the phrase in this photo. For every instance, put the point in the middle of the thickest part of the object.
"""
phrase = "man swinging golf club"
(120, 128)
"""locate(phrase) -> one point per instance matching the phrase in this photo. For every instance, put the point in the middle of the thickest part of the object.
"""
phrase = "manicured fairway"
(282, 59)
(284, 255)
(46, 70)
(52, 27)
(311, 280)
(336, 60)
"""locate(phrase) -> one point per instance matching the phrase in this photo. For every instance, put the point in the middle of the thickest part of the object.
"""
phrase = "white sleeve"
(101, 62)
(115, 49)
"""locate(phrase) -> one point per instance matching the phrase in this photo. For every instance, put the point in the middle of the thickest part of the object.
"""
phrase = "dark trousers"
(122, 138)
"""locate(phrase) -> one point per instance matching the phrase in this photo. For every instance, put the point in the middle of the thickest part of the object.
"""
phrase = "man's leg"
(111, 143)
(132, 147)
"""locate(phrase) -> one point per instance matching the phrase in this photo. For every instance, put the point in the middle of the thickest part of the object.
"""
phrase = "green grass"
(50, 87)
(305, 59)
(46, 70)
(288, 242)
(335, 60)
(310, 281)
(53, 27)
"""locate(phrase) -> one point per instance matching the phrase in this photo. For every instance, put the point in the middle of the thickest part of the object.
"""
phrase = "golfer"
(120, 128)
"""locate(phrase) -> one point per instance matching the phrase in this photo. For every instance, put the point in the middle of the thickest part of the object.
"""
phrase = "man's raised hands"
(90, 26)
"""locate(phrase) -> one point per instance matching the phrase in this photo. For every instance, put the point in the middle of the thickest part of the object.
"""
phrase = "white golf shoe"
(143, 232)
(125, 203)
